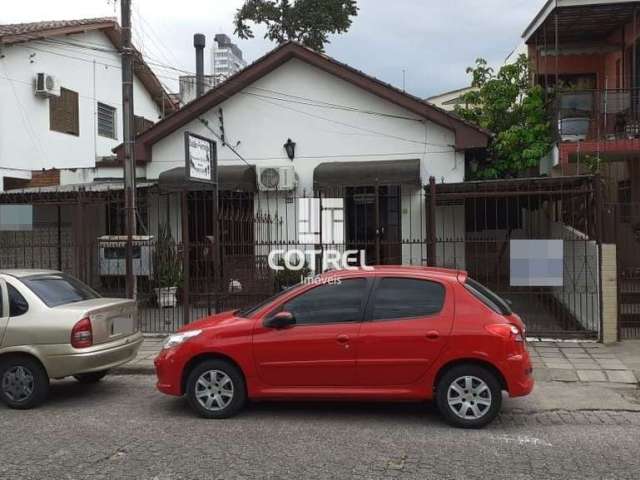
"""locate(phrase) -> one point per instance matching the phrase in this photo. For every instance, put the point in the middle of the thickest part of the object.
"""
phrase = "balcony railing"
(605, 115)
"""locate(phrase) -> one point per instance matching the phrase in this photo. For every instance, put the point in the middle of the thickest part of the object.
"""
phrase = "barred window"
(106, 121)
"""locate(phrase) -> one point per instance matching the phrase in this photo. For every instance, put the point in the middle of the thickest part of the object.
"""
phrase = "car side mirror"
(280, 320)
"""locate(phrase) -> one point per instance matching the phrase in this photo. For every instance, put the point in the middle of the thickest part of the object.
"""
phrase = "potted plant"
(167, 268)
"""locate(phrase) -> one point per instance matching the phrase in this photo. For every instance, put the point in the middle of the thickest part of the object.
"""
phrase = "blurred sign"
(537, 263)
(200, 156)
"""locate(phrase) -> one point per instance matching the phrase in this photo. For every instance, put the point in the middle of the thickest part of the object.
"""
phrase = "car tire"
(24, 383)
(216, 389)
(469, 396)
(91, 377)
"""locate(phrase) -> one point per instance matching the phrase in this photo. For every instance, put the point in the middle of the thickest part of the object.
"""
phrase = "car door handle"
(343, 338)
(432, 335)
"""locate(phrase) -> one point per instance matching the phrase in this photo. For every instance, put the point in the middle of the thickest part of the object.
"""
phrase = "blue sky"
(433, 40)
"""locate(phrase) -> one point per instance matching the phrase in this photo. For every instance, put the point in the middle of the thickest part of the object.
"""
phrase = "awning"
(385, 172)
(234, 178)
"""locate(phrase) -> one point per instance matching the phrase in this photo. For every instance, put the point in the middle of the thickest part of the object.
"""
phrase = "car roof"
(26, 272)
(402, 270)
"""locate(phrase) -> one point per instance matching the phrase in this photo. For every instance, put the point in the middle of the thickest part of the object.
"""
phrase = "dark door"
(320, 349)
(373, 223)
(407, 325)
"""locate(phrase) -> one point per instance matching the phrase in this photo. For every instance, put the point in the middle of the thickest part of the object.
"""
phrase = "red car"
(388, 334)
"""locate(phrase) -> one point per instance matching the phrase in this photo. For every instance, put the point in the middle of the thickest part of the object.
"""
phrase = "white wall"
(26, 142)
(262, 120)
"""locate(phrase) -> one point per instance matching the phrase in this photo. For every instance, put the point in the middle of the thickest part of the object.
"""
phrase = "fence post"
(431, 223)
(186, 305)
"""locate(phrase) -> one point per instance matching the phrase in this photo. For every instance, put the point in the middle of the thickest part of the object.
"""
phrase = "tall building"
(226, 58)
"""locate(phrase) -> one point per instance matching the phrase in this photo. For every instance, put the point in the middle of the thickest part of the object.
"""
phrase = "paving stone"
(541, 374)
(563, 375)
(609, 364)
(585, 364)
(547, 350)
(559, 364)
(601, 355)
(551, 355)
(621, 376)
(591, 376)
(577, 355)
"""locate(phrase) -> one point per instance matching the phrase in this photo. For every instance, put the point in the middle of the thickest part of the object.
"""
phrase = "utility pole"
(128, 138)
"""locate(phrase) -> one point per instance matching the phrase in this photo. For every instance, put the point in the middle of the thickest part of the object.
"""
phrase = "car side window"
(331, 303)
(396, 298)
(17, 303)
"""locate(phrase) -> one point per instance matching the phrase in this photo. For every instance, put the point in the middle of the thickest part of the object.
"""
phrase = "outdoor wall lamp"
(290, 147)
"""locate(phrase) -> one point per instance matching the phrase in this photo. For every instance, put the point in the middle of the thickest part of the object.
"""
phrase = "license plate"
(122, 325)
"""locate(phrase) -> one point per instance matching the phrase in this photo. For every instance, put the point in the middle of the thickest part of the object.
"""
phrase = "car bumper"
(519, 375)
(169, 365)
(94, 359)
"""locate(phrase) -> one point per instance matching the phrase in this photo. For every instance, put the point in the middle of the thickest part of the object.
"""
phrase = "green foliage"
(515, 111)
(167, 265)
(306, 21)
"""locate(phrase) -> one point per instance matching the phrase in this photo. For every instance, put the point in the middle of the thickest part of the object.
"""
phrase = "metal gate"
(477, 227)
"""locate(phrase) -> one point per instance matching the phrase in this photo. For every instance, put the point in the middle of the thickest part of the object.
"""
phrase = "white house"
(61, 97)
(365, 146)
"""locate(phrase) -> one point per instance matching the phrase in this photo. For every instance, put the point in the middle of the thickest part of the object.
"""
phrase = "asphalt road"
(123, 428)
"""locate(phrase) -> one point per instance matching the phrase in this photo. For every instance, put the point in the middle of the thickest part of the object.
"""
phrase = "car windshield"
(59, 289)
(492, 300)
(248, 311)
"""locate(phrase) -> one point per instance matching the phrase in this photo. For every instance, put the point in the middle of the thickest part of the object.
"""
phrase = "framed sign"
(201, 158)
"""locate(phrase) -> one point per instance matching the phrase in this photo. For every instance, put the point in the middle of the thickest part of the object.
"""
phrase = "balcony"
(606, 122)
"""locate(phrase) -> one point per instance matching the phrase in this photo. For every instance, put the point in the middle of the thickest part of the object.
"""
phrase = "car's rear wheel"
(24, 383)
(92, 377)
(216, 389)
(469, 396)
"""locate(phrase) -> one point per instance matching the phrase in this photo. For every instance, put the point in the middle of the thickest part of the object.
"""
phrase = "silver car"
(54, 326)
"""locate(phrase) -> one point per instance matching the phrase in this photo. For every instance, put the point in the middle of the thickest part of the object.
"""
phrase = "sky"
(433, 41)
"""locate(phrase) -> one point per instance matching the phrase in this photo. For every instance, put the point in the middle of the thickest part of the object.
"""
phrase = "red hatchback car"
(387, 334)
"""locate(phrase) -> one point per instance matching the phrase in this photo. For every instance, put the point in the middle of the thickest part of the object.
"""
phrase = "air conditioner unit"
(276, 178)
(46, 85)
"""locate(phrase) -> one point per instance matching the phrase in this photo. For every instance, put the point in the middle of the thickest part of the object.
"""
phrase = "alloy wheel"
(18, 383)
(214, 390)
(469, 397)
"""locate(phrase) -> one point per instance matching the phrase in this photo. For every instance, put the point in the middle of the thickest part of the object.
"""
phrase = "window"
(406, 298)
(63, 112)
(330, 303)
(106, 121)
(486, 296)
(59, 289)
(17, 303)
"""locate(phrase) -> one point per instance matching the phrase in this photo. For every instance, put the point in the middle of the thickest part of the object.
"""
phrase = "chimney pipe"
(199, 41)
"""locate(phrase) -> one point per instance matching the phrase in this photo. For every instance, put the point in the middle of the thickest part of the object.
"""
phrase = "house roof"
(580, 19)
(11, 34)
(468, 135)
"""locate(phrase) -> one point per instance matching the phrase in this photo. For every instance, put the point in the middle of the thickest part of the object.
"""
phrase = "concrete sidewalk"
(553, 361)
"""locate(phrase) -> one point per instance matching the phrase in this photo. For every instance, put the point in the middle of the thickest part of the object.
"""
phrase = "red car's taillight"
(506, 330)
(81, 334)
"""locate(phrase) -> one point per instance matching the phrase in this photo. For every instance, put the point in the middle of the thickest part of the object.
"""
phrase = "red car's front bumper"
(169, 365)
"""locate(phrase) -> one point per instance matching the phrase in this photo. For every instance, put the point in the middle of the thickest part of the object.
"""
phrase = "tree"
(515, 111)
(306, 21)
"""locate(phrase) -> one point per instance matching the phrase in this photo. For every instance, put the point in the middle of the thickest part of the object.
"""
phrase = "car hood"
(211, 321)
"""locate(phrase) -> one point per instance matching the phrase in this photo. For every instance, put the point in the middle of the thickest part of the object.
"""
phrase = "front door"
(373, 223)
(407, 325)
(320, 349)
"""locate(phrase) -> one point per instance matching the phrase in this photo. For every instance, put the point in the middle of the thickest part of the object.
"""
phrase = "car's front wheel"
(216, 389)
(24, 383)
(469, 396)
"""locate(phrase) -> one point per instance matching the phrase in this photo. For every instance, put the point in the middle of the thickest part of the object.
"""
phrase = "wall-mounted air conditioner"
(276, 178)
(113, 254)
(46, 86)
(573, 129)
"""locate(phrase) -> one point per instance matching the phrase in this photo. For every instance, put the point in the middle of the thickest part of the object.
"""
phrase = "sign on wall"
(536, 263)
(201, 158)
